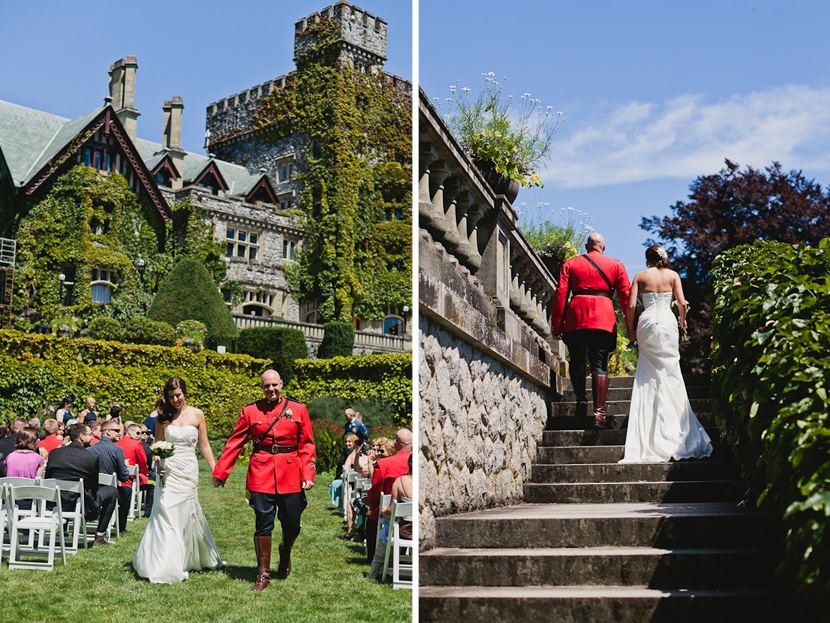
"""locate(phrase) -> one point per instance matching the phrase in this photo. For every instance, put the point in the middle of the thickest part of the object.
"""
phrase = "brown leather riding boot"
(284, 568)
(262, 545)
(600, 387)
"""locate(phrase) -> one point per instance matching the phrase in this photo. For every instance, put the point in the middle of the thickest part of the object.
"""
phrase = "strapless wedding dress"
(661, 423)
(177, 538)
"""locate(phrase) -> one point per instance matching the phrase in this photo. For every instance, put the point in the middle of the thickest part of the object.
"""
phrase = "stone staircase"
(601, 542)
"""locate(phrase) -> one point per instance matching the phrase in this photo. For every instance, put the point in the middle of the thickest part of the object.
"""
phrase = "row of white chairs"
(46, 515)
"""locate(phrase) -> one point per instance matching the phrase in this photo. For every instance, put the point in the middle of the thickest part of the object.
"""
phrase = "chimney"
(172, 135)
(122, 91)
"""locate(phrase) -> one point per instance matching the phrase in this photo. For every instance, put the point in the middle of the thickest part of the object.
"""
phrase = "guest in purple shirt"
(25, 461)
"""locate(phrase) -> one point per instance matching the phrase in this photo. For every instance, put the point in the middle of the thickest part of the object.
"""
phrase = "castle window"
(242, 244)
(102, 285)
(289, 249)
(285, 172)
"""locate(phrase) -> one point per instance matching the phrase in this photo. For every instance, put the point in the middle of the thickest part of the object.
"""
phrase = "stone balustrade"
(488, 366)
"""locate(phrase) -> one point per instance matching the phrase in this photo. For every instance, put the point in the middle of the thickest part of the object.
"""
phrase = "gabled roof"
(35, 144)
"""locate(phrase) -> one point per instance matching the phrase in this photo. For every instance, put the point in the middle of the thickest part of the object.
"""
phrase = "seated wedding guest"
(384, 475)
(336, 486)
(135, 455)
(35, 423)
(4, 431)
(150, 420)
(7, 444)
(95, 427)
(72, 462)
(111, 461)
(52, 439)
(146, 441)
(64, 412)
(25, 461)
(401, 492)
(88, 414)
(114, 413)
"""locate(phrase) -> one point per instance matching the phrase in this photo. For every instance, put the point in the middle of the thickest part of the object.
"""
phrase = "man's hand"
(217, 482)
(306, 485)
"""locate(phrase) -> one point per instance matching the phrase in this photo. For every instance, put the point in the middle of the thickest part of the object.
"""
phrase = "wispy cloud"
(689, 136)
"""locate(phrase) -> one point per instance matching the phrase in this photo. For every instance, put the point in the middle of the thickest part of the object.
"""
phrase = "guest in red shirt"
(53, 437)
(134, 455)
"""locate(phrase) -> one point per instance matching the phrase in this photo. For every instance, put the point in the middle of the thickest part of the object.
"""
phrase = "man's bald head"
(595, 242)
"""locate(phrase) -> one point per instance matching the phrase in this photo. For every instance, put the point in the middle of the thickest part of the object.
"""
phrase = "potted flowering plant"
(514, 136)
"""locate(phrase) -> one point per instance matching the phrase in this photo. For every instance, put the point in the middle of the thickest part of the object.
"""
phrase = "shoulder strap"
(277, 417)
(599, 270)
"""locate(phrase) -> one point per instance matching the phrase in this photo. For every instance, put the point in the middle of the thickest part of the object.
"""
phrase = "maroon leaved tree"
(726, 210)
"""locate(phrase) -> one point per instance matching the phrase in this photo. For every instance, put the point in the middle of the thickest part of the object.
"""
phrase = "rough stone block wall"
(480, 424)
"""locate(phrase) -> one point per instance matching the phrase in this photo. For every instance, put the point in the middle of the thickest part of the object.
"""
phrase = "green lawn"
(326, 582)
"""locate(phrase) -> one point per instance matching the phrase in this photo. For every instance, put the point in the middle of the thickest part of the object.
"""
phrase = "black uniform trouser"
(586, 346)
(287, 507)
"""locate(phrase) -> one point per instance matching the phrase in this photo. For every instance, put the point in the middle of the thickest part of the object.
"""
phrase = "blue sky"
(654, 93)
(56, 54)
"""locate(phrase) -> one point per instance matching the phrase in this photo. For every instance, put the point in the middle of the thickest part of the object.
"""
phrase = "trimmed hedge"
(189, 293)
(771, 374)
(36, 371)
(104, 328)
(281, 345)
(388, 377)
(338, 341)
(147, 331)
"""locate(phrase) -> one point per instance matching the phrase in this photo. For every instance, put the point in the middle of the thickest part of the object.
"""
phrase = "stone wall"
(479, 427)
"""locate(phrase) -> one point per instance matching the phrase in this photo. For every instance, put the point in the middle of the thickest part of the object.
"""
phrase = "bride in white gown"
(661, 423)
(177, 538)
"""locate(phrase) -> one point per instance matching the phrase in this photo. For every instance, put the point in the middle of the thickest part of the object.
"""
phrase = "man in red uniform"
(281, 470)
(134, 454)
(587, 322)
(384, 475)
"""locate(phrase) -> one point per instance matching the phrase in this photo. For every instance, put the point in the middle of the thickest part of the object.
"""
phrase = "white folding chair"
(76, 519)
(349, 479)
(18, 481)
(4, 516)
(135, 499)
(401, 548)
(41, 518)
(110, 480)
(385, 500)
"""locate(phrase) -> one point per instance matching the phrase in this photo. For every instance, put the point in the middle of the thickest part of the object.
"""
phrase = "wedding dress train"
(177, 538)
(661, 423)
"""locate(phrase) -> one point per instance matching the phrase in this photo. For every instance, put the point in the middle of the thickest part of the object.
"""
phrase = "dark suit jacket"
(73, 462)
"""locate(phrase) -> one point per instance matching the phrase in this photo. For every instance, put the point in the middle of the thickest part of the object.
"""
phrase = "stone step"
(633, 472)
(600, 604)
(622, 407)
(565, 455)
(624, 393)
(621, 492)
(661, 525)
(690, 380)
(596, 437)
(720, 567)
(617, 421)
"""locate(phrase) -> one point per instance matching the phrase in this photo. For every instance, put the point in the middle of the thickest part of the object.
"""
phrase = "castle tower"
(363, 36)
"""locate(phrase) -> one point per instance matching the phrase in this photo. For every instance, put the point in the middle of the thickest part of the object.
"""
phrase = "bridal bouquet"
(162, 450)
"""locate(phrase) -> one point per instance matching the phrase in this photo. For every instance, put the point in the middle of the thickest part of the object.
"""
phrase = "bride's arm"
(681, 302)
(204, 444)
(631, 313)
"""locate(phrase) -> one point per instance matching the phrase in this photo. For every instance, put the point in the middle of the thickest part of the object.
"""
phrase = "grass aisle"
(326, 582)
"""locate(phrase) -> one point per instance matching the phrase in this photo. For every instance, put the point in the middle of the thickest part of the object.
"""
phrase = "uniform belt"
(604, 293)
(274, 448)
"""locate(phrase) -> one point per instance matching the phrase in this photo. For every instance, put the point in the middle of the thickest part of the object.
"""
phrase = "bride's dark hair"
(657, 256)
(168, 411)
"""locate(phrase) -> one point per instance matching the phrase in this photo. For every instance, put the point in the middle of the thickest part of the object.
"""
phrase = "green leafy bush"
(103, 328)
(387, 377)
(771, 373)
(338, 340)
(146, 331)
(36, 371)
(279, 344)
(192, 329)
(189, 293)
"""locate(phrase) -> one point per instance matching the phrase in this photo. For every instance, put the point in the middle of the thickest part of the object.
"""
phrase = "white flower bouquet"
(163, 450)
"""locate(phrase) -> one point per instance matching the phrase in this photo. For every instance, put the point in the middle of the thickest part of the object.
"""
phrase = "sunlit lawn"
(326, 582)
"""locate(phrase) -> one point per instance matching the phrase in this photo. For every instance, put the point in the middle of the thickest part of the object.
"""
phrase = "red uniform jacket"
(135, 455)
(272, 473)
(587, 311)
(386, 471)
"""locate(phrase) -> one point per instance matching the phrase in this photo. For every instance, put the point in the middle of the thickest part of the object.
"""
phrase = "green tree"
(732, 208)
(190, 293)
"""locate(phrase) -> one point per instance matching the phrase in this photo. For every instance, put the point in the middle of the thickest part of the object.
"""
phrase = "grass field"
(326, 582)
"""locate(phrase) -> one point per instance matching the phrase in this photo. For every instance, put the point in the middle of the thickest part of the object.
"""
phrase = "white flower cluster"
(162, 449)
(662, 253)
